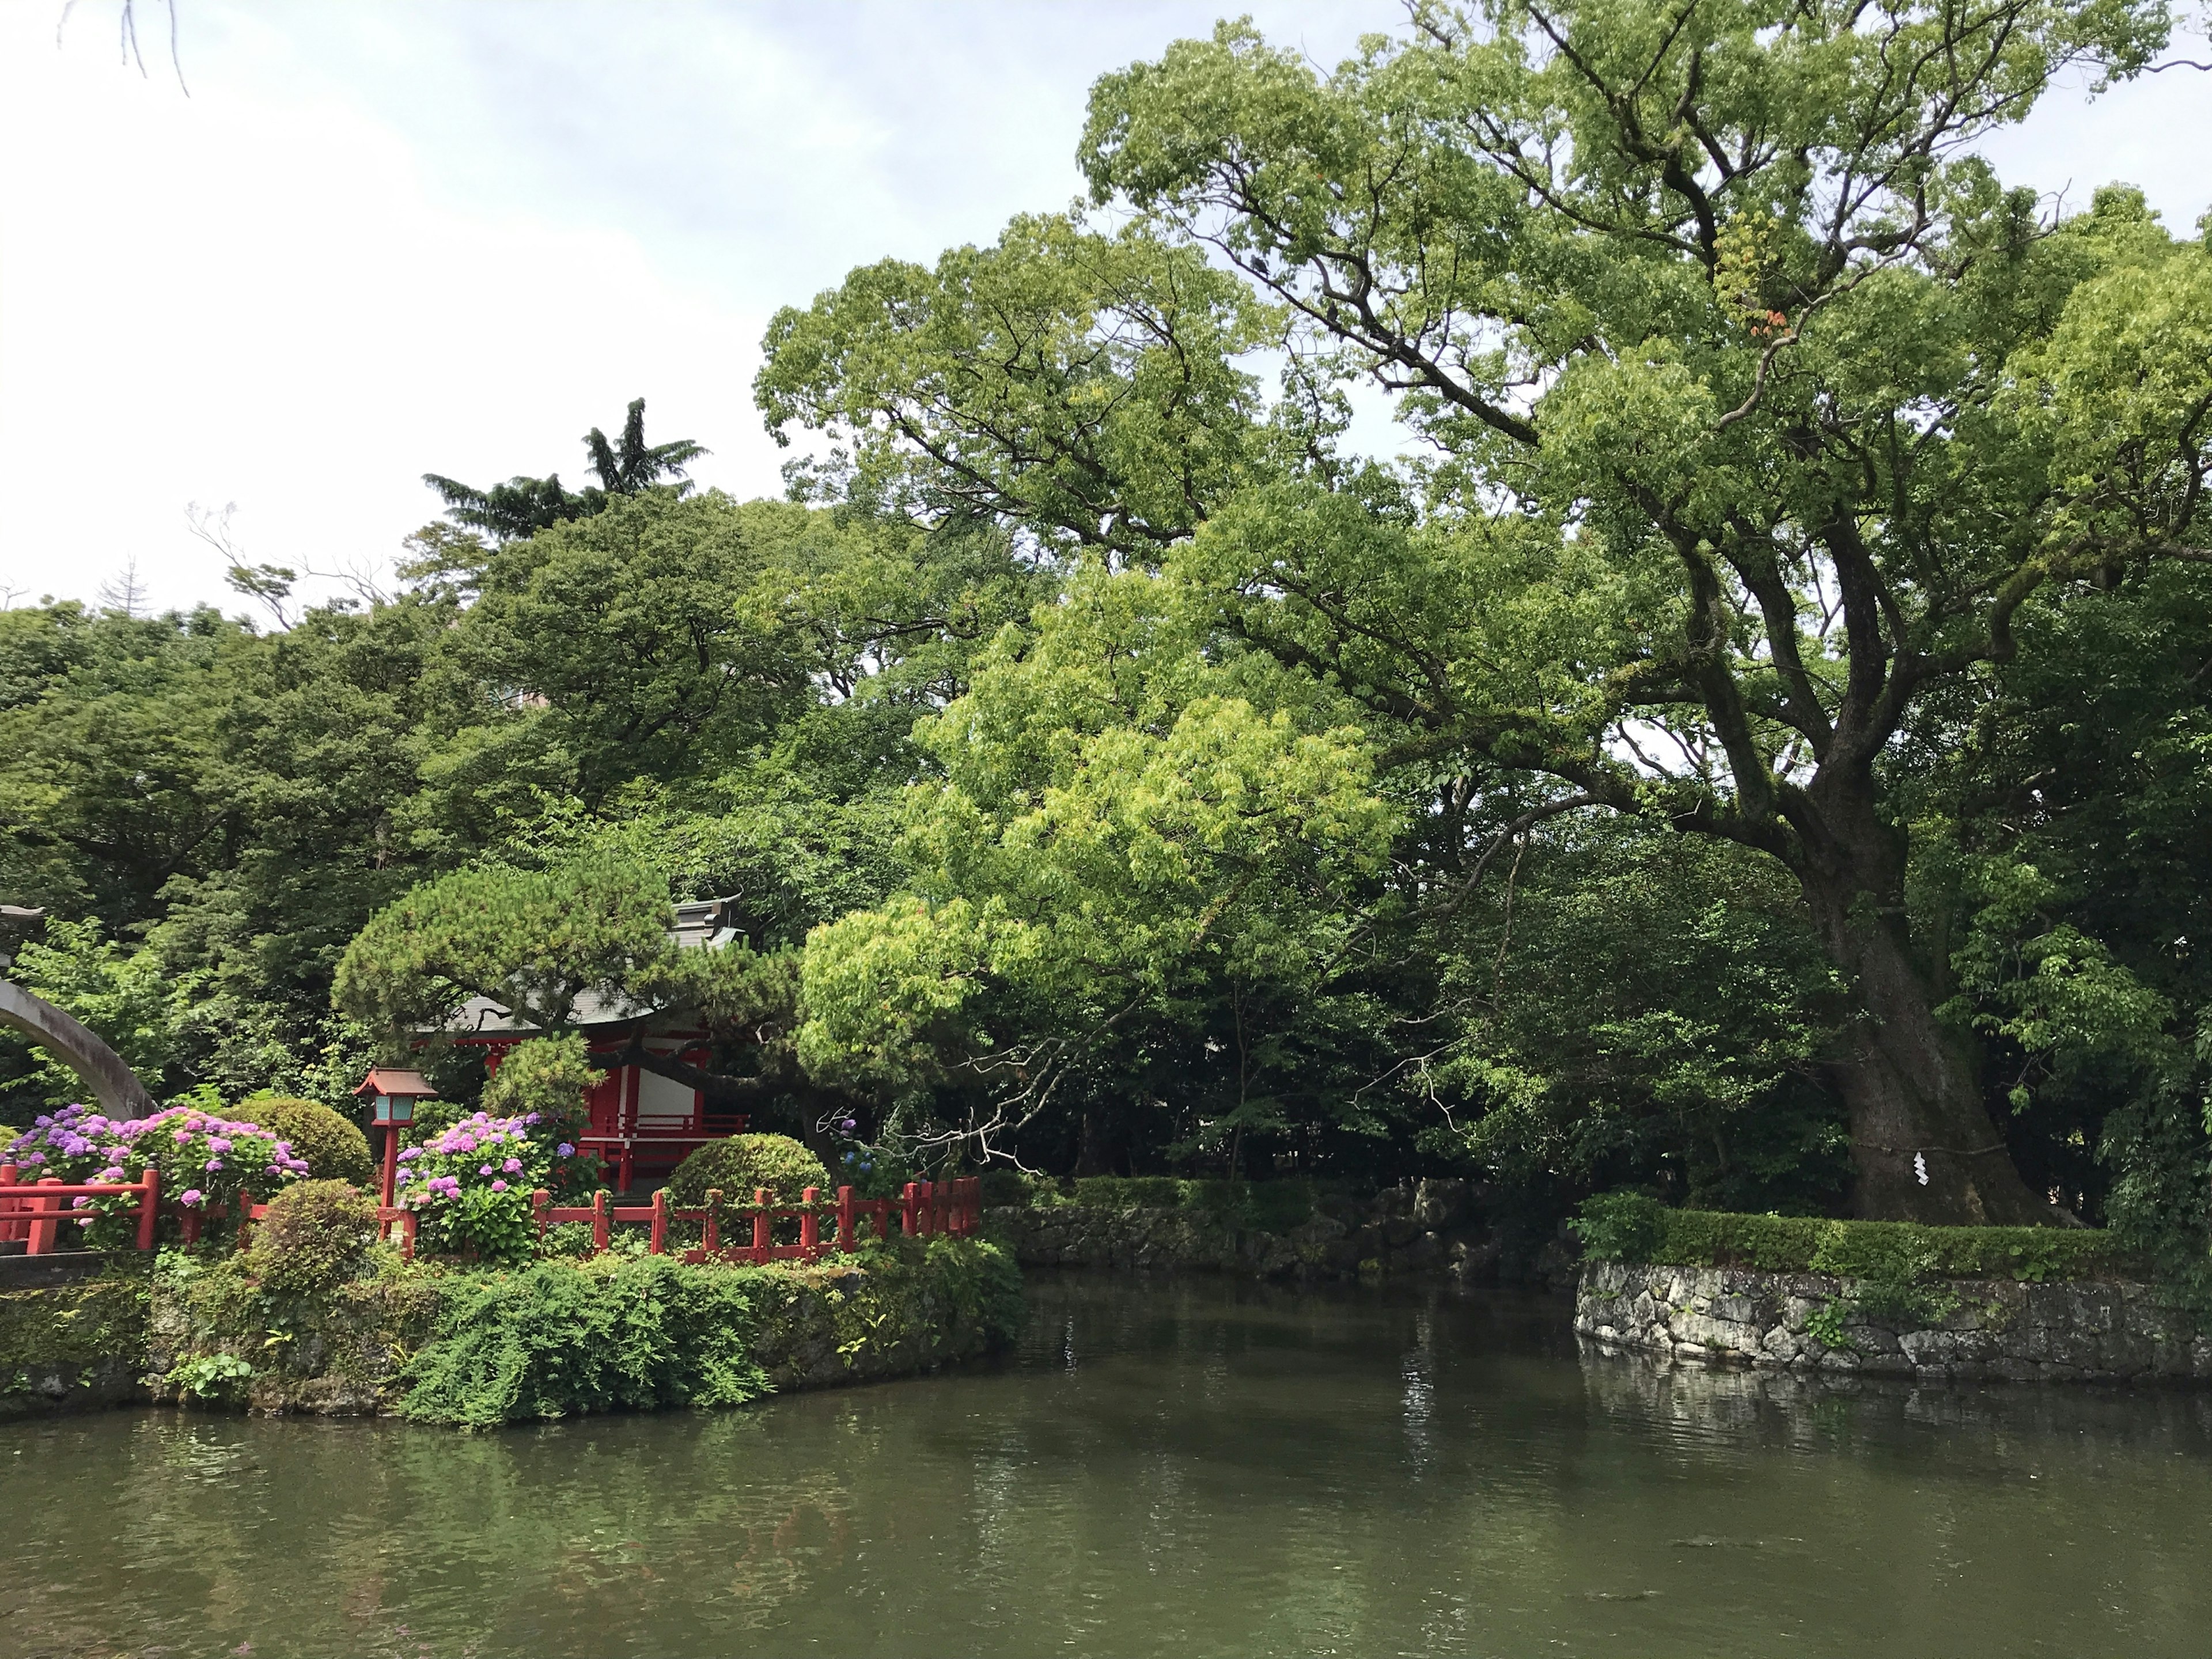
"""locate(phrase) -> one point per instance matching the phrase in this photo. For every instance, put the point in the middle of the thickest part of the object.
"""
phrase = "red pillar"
(150, 1207)
(845, 1219)
(810, 1224)
(659, 1245)
(763, 1222)
(391, 1162)
(44, 1220)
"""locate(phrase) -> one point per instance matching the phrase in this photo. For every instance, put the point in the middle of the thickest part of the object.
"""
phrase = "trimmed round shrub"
(742, 1164)
(335, 1148)
(315, 1237)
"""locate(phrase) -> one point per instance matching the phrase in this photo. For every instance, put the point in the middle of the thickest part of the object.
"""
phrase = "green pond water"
(1189, 1467)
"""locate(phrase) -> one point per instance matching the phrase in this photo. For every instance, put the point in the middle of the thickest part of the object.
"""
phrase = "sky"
(384, 238)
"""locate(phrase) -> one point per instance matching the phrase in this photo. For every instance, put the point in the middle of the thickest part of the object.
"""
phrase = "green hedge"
(1630, 1227)
(1263, 1205)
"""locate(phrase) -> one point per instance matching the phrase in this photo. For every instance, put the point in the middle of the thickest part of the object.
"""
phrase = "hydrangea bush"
(206, 1162)
(471, 1182)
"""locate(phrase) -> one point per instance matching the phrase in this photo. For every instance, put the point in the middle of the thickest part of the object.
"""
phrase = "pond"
(1186, 1468)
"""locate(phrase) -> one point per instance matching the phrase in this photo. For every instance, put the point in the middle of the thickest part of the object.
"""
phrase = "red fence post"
(659, 1246)
(601, 1226)
(714, 1238)
(150, 1207)
(9, 1227)
(845, 1220)
(763, 1222)
(810, 1224)
(538, 1199)
(42, 1224)
(907, 1201)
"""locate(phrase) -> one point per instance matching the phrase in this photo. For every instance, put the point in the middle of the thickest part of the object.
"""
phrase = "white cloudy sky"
(384, 238)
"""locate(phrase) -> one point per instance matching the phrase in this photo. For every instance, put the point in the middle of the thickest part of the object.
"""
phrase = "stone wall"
(2078, 1330)
(1428, 1227)
(135, 1334)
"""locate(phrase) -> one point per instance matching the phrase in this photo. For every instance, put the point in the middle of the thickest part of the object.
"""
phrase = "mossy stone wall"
(197, 1331)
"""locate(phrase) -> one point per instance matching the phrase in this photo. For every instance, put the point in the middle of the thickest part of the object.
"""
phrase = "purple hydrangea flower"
(190, 1196)
(214, 1163)
(512, 1166)
(499, 1186)
(564, 1149)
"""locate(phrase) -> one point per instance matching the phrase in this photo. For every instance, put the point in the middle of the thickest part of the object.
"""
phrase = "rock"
(1438, 1204)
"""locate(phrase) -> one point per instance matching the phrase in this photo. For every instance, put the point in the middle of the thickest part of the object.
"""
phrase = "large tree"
(1759, 411)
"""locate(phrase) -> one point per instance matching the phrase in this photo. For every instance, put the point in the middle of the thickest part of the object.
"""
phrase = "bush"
(1630, 1227)
(335, 1148)
(471, 1183)
(615, 1334)
(1008, 1189)
(316, 1236)
(207, 1163)
(1272, 1206)
(742, 1164)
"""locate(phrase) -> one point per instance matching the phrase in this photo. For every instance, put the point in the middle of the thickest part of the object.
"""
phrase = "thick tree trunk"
(1923, 1147)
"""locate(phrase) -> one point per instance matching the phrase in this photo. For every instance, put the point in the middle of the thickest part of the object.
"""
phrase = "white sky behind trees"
(383, 238)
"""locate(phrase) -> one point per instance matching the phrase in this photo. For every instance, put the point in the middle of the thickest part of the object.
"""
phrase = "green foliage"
(336, 1150)
(739, 1165)
(1654, 565)
(563, 1338)
(533, 942)
(1263, 1205)
(1112, 352)
(209, 1375)
(1631, 1227)
(316, 1235)
(549, 1077)
(983, 1283)
(121, 994)
(524, 506)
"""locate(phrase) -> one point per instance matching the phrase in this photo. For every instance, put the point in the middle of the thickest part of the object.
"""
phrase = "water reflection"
(1190, 1468)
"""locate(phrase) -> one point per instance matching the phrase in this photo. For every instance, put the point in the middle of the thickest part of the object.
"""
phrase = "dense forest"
(1755, 746)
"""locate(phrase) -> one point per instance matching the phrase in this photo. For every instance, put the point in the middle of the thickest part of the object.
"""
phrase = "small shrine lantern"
(392, 1094)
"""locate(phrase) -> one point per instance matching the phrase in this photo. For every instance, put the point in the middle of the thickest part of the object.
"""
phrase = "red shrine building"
(642, 1123)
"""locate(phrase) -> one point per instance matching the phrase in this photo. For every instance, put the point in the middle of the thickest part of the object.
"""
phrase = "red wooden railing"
(954, 1208)
(33, 1211)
